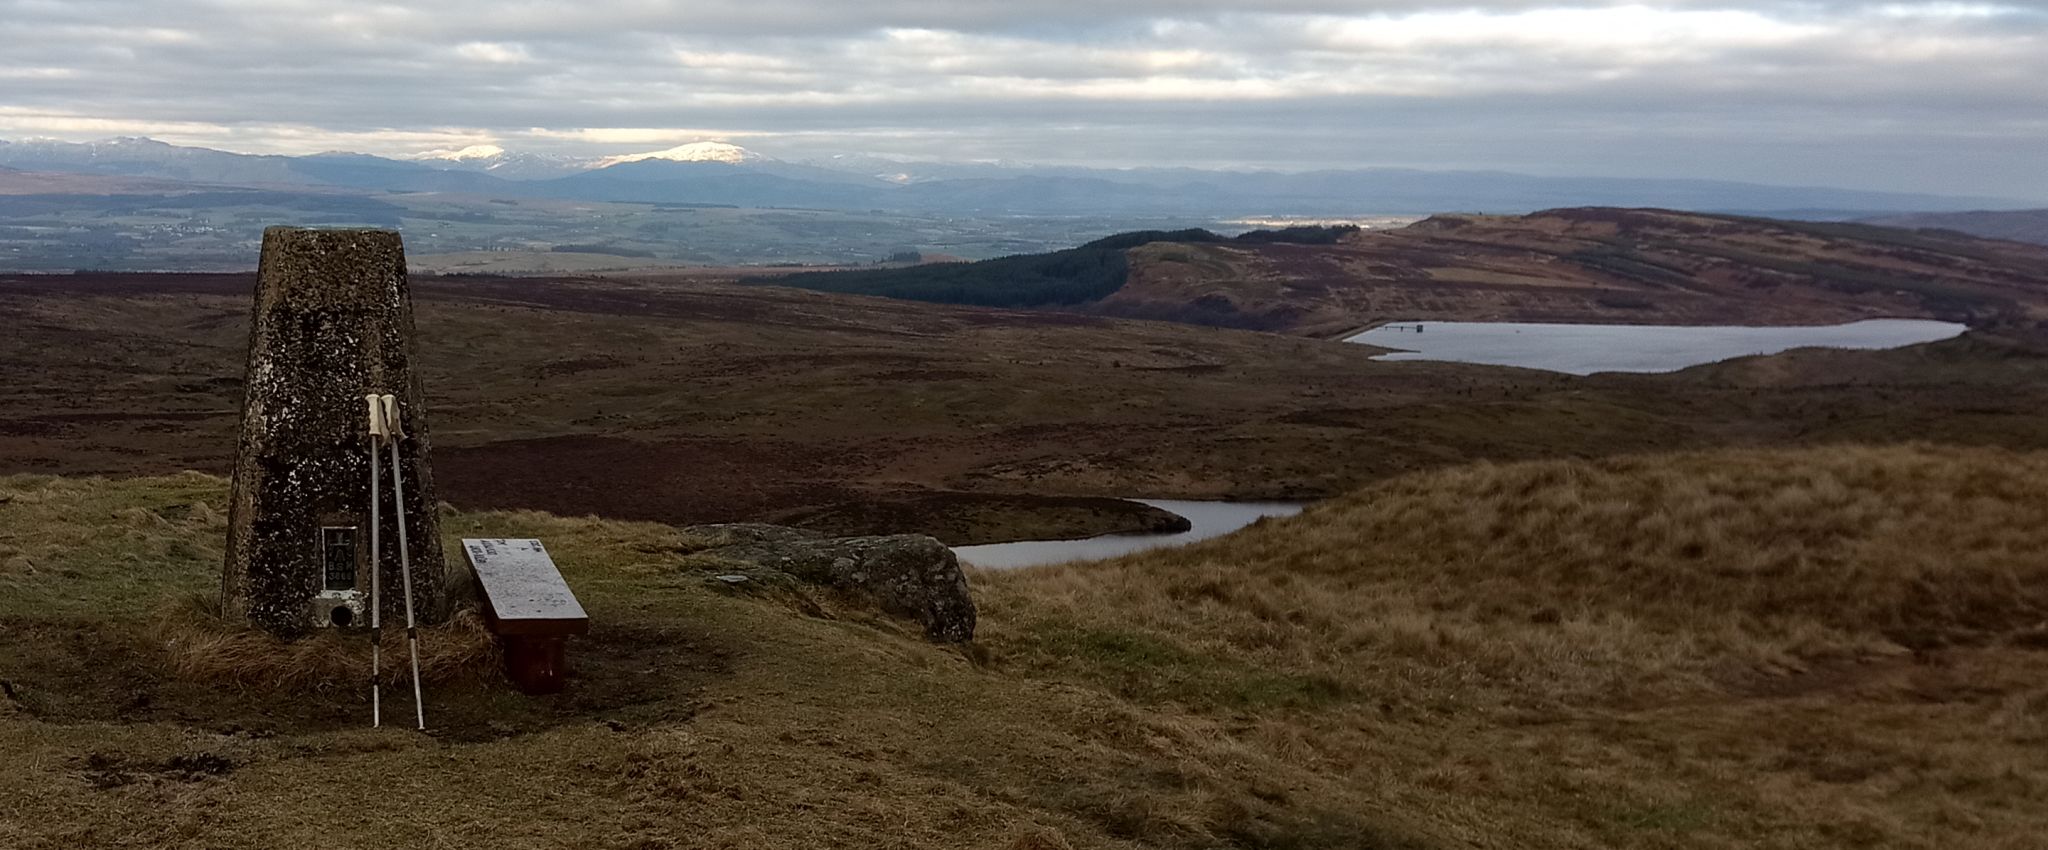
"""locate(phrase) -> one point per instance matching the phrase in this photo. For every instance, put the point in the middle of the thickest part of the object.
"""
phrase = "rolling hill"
(1073, 276)
(1597, 265)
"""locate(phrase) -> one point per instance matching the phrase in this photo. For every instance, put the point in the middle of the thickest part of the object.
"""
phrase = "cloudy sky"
(1933, 96)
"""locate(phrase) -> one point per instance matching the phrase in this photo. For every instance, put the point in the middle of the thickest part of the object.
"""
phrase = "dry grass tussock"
(202, 645)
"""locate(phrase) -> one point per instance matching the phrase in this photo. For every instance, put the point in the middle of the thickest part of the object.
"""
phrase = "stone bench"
(530, 609)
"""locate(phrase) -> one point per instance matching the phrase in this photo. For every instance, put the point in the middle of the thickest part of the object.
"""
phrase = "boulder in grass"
(907, 575)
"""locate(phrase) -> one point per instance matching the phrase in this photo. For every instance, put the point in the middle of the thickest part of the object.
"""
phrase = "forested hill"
(1073, 276)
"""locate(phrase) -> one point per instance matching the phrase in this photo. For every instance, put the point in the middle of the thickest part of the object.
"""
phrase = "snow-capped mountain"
(468, 154)
(693, 152)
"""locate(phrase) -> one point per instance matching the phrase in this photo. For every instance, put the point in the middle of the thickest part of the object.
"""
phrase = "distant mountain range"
(724, 174)
(510, 165)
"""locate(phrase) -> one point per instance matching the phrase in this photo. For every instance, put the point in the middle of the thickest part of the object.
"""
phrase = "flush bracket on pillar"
(344, 562)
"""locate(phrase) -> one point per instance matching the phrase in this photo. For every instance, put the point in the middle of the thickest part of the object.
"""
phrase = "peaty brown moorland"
(697, 401)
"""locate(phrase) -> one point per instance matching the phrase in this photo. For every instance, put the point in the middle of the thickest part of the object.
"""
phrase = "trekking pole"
(377, 433)
(412, 631)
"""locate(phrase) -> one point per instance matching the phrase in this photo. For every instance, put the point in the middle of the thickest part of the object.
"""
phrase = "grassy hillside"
(1831, 647)
(1819, 648)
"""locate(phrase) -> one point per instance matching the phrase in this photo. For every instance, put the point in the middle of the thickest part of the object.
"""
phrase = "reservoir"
(1585, 349)
(1209, 519)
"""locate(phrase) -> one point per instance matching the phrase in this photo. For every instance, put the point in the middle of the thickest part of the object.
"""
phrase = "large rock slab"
(907, 575)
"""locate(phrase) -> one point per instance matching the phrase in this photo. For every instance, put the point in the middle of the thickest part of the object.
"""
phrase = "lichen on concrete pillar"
(332, 322)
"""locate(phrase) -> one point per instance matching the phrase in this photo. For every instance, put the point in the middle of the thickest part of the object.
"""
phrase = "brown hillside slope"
(1591, 265)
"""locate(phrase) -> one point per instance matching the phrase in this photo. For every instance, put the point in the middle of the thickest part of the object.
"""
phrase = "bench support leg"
(537, 664)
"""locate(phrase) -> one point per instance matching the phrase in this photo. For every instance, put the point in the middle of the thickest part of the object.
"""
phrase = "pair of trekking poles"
(385, 430)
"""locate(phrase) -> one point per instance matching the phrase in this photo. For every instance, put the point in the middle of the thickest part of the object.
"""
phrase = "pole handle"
(391, 424)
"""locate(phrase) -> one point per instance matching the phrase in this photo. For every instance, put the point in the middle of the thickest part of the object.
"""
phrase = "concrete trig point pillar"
(333, 322)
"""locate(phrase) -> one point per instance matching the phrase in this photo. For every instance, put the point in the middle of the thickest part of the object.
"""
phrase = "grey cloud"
(1761, 90)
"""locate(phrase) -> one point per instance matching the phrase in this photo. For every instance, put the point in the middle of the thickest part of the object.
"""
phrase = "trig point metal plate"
(523, 590)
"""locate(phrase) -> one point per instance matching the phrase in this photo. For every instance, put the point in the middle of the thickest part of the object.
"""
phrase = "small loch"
(1586, 349)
